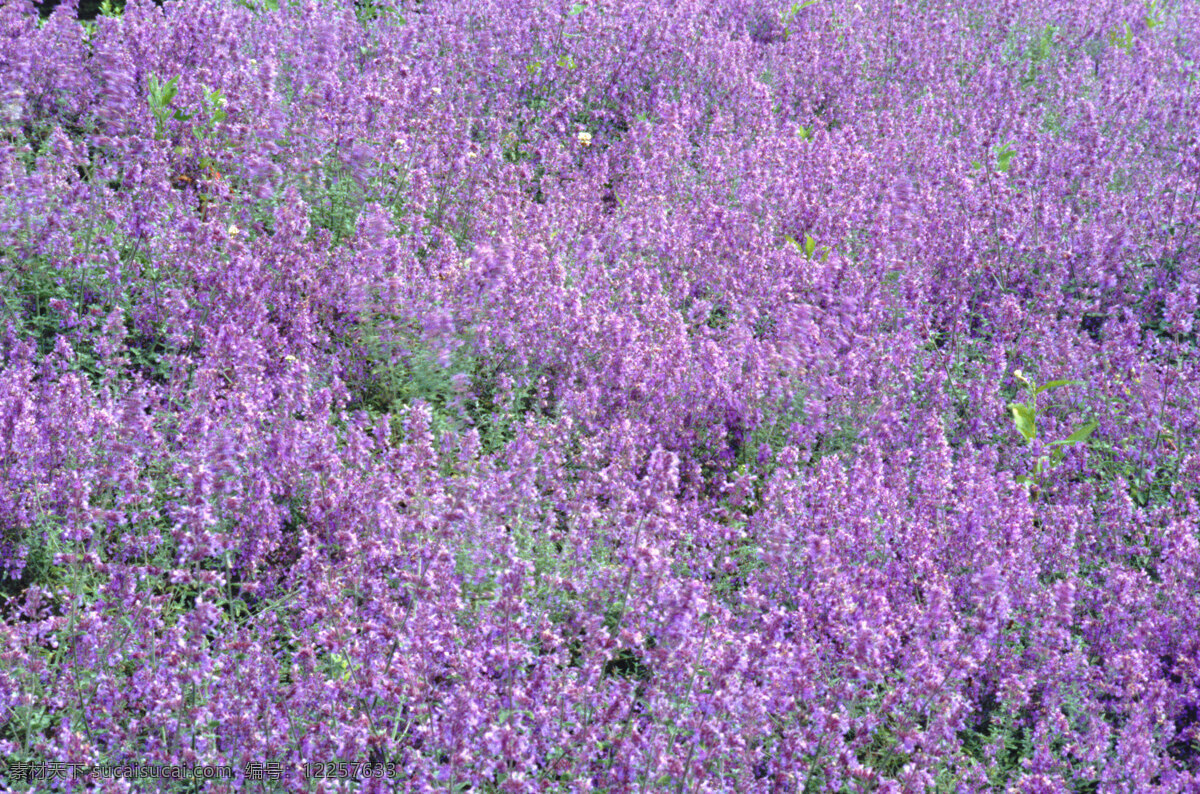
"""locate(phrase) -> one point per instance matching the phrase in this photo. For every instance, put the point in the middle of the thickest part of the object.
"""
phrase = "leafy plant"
(1024, 416)
(38, 545)
(211, 113)
(1003, 156)
(160, 98)
(259, 6)
(788, 18)
(808, 248)
(394, 368)
(1122, 37)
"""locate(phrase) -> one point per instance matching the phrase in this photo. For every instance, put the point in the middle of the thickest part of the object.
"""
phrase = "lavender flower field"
(640, 396)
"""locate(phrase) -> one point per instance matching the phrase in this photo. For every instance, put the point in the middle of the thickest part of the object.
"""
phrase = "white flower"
(585, 138)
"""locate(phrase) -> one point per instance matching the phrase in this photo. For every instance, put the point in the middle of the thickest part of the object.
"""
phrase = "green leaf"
(577, 9)
(1083, 433)
(1004, 157)
(1054, 384)
(1023, 418)
(810, 245)
(797, 8)
(1154, 16)
(340, 666)
(168, 91)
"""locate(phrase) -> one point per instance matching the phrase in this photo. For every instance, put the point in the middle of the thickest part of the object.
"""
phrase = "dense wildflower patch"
(506, 396)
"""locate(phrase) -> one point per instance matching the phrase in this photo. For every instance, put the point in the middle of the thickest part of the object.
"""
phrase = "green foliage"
(160, 97)
(1043, 44)
(27, 726)
(808, 248)
(39, 294)
(1003, 156)
(746, 558)
(995, 727)
(628, 663)
(1122, 38)
(335, 199)
(1161, 277)
(397, 368)
(1154, 15)
(1025, 419)
(211, 113)
(259, 6)
(1148, 485)
(1039, 49)
(41, 543)
(29, 295)
(370, 12)
(788, 18)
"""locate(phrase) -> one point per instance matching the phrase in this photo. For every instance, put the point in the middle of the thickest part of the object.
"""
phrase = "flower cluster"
(536, 396)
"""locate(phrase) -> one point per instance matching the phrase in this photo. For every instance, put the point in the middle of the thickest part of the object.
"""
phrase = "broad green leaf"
(340, 666)
(1023, 418)
(169, 91)
(577, 9)
(1054, 384)
(810, 245)
(1083, 433)
(797, 8)
(1004, 158)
